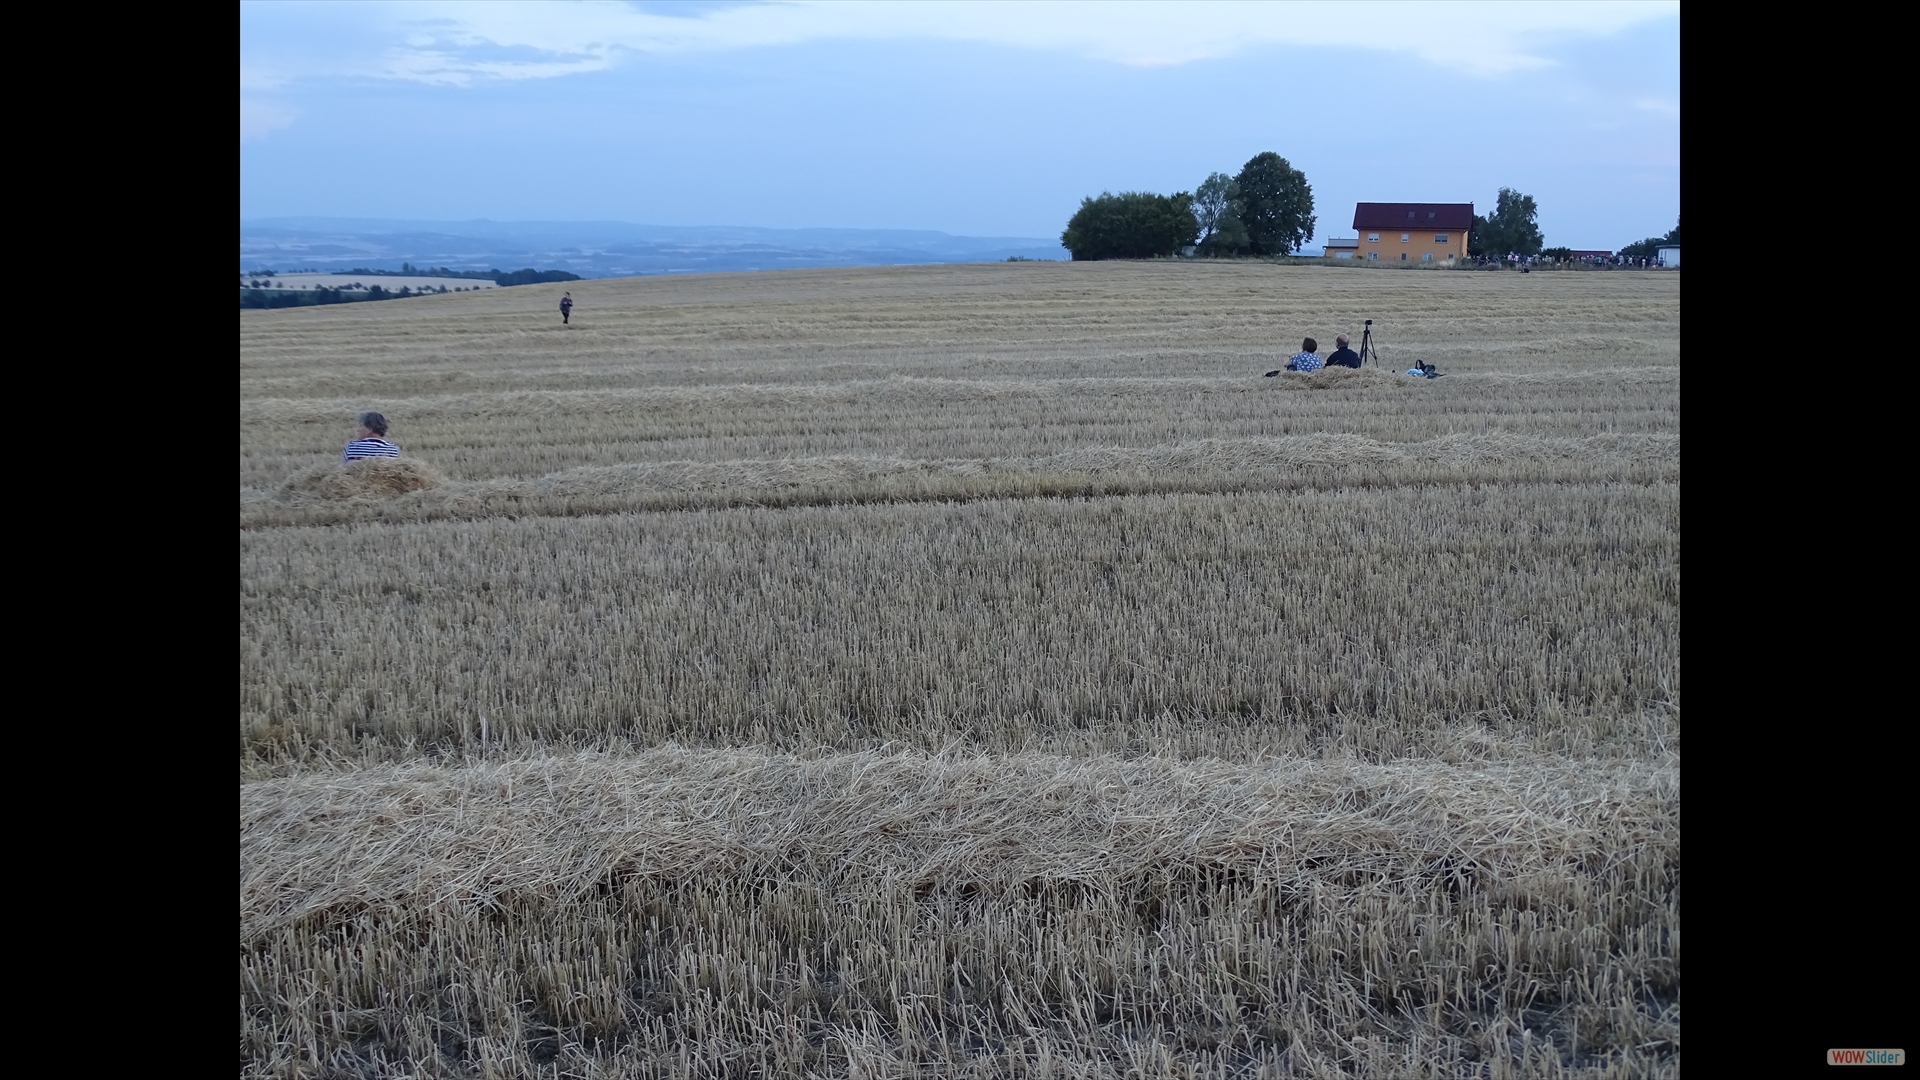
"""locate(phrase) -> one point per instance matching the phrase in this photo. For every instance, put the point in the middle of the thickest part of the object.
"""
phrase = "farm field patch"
(965, 671)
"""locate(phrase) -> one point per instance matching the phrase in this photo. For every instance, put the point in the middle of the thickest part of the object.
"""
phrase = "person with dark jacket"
(1343, 356)
(566, 307)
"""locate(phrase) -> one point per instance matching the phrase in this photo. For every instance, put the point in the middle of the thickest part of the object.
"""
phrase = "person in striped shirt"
(371, 441)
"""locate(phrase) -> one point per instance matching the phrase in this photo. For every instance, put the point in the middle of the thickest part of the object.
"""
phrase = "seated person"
(1305, 359)
(371, 441)
(1343, 356)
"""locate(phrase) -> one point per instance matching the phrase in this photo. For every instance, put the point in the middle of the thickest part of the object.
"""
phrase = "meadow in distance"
(971, 670)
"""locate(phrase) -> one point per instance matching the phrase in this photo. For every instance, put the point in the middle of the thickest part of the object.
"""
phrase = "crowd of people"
(1515, 259)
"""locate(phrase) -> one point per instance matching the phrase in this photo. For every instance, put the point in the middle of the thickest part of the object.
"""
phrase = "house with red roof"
(1413, 232)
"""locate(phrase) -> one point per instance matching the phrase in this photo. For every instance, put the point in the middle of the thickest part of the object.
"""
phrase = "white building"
(1669, 254)
(1341, 249)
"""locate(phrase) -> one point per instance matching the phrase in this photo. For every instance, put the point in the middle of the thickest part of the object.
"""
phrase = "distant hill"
(604, 248)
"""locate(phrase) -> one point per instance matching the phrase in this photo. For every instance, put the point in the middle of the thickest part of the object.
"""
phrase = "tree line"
(1266, 209)
(1509, 229)
(502, 278)
(1650, 247)
(257, 297)
(279, 298)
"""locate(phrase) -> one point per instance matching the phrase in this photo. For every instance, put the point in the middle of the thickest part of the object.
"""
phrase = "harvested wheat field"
(965, 671)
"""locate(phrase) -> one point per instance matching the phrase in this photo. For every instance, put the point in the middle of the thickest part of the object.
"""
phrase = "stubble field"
(965, 671)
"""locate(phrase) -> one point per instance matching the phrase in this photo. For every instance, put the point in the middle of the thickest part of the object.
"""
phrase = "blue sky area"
(974, 119)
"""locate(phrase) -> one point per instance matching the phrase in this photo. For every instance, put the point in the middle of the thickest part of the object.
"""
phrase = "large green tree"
(1131, 225)
(1216, 204)
(1276, 205)
(1508, 229)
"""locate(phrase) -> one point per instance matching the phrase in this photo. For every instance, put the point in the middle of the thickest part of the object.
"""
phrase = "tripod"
(1366, 344)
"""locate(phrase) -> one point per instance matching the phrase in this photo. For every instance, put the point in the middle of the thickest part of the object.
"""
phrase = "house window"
(1431, 214)
(1409, 215)
(1373, 237)
(1373, 255)
(1439, 238)
(1403, 256)
(1428, 257)
(1404, 237)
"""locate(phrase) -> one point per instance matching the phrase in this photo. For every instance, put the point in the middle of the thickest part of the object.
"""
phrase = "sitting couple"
(1308, 360)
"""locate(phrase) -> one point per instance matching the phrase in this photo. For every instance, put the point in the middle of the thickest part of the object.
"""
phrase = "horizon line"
(622, 221)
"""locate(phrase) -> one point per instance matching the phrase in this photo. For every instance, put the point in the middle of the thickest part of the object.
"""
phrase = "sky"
(979, 119)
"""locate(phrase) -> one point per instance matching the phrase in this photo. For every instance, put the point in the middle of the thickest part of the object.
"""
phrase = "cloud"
(461, 43)
(260, 118)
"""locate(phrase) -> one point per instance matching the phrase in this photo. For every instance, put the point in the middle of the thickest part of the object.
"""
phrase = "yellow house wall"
(1419, 242)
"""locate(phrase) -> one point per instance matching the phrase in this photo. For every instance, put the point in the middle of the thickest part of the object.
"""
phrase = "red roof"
(1413, 215)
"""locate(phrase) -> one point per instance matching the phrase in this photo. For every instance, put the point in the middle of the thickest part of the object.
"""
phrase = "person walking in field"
(566, 307)
(370, 440)
(1307, 359)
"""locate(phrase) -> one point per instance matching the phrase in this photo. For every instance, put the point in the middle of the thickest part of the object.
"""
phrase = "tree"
(1509, 228)
(1217, 206)
(1276, 205)
(1232, 238)
(1131, 225)
(530, 276)
(1650, 247)
(1644, 249)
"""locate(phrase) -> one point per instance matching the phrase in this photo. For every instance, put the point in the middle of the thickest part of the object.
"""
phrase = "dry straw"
(965, 671)
(945, 913)
(361, 481)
